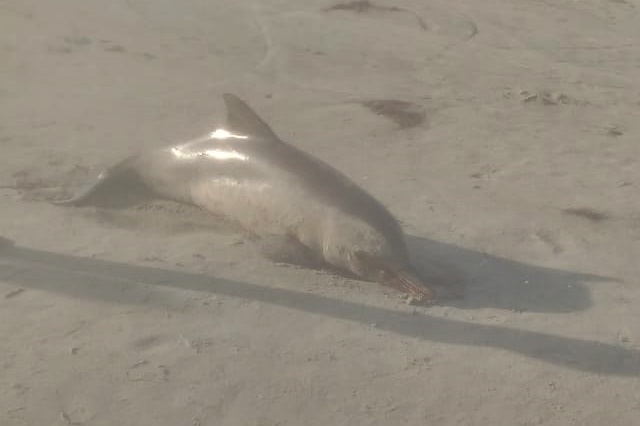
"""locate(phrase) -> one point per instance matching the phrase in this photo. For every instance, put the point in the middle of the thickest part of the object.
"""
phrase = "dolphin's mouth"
(409, 283)
(401, 277)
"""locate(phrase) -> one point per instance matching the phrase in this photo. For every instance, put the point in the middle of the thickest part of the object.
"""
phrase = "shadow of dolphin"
(494, 282)
(489, 281)
(120, 283)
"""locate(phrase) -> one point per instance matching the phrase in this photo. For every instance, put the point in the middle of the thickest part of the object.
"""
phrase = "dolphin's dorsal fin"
(243, 120)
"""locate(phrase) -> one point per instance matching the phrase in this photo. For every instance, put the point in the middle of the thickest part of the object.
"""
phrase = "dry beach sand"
(503, 134)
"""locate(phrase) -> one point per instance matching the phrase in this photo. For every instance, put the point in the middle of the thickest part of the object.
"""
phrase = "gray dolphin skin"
(272, 190)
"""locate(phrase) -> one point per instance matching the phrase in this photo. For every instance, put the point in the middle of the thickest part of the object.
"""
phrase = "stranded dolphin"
(276, 192)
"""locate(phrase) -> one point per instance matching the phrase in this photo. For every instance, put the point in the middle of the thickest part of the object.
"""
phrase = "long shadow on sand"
(493, 282)
(489, 281)
(119, 283)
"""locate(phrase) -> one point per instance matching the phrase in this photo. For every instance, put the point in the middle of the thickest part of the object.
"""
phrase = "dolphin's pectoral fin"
(242, 119)
(287, 249)
(116, 187)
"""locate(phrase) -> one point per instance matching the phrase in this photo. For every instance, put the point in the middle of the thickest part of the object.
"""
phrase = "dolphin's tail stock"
(117, 186)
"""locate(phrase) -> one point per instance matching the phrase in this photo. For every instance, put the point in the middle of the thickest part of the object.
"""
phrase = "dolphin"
(302, 210)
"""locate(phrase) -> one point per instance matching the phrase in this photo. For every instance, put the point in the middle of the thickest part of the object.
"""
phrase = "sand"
(503, 134)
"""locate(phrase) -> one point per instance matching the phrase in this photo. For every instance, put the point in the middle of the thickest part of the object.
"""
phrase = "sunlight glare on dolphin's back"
(224, 134)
